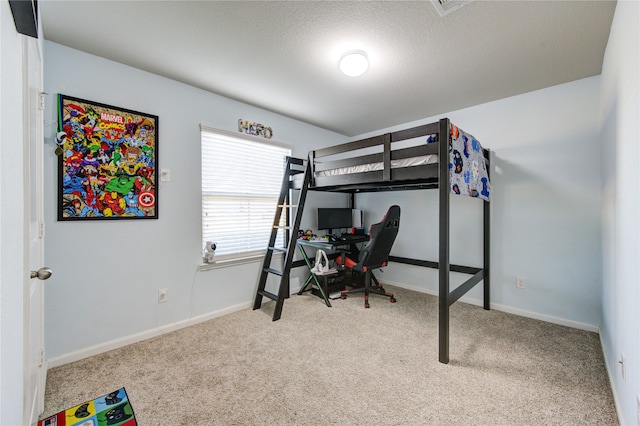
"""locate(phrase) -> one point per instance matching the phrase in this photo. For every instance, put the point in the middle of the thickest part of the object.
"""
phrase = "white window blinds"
(241, 180)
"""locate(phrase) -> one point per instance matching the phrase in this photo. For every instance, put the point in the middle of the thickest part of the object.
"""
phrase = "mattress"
(371, 167)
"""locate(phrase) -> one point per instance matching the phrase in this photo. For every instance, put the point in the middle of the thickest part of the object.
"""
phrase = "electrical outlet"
(521, 282)
(165, 175)
(623, 365)
(163, 295)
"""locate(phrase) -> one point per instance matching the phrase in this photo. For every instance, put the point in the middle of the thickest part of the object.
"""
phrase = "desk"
(342, 247)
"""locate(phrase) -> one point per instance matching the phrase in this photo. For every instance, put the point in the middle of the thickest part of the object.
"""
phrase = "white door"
(35, 369)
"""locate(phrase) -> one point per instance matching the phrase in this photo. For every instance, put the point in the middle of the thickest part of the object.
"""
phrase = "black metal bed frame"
(430, 176)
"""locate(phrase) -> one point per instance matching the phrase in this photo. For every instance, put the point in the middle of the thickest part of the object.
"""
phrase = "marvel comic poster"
(107, 162)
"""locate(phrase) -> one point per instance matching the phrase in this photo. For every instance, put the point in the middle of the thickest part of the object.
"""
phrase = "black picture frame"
(107, 161)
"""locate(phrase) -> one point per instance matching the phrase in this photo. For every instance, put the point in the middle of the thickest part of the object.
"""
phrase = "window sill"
(236, 261)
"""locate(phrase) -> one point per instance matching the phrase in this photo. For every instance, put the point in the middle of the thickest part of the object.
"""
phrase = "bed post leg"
(487, 254)
(444, 261)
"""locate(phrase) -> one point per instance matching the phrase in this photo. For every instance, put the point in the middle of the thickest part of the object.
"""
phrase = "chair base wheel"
(366, 302)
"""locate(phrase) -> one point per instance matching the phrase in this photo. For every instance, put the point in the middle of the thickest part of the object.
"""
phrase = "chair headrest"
(383, 235)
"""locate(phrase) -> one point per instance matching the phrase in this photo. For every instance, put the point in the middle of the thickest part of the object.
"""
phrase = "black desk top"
(324, 243)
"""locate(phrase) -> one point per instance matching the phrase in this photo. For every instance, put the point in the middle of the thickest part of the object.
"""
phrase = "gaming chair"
(374, 255)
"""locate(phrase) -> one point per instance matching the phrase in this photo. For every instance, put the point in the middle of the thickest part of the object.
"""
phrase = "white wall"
(545, 209)
(620, 110)
(546, 212)
(107, 274)
(11, 221)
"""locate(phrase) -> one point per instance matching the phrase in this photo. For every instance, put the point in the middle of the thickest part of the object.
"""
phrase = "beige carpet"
(347, 365)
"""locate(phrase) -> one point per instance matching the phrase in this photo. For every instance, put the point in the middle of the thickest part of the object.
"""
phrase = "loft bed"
(375, 164)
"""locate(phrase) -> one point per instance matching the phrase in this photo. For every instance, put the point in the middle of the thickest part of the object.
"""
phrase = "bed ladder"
(294, 166)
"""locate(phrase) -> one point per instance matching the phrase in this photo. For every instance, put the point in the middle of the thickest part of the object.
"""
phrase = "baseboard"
(508, 309)
(134, 338)
(616, 401)
(118, 343)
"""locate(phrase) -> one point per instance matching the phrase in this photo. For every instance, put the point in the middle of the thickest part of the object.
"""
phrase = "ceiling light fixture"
(354, 63)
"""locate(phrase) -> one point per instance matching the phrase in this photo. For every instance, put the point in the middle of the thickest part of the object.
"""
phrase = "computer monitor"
(334, 218)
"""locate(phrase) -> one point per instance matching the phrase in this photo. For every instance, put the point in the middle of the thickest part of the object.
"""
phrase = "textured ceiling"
(283, 55)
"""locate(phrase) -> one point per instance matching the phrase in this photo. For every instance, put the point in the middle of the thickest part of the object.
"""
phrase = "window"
(241, 180)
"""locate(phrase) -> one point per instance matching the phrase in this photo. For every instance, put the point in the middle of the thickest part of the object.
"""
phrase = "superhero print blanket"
(469, 175)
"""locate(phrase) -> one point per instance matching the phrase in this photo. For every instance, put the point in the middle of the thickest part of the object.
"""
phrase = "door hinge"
(41, 101)
(41, 357)
(41, 230)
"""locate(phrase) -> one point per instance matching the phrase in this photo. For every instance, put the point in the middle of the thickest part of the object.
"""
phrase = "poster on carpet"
(112, 409)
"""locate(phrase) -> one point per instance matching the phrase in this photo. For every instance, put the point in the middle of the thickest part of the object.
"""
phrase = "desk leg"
(312, 276)
(306, 283)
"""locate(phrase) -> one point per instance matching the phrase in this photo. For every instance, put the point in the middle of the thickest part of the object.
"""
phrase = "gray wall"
(545, 216)
(107, 274)
(620, 109)
(546, 212)
(545, 208)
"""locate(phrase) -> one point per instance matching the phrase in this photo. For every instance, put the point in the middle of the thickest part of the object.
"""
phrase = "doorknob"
(42, 273)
